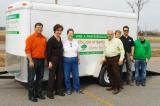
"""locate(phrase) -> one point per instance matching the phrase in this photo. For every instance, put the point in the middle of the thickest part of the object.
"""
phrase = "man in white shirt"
(113, 57)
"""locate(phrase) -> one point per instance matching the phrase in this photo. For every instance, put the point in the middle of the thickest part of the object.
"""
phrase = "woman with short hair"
(71, 61)
(118, 34)
(55, 63)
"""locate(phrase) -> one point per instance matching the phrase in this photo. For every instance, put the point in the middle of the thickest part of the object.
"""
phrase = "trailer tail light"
(10, 7)
(24, 4)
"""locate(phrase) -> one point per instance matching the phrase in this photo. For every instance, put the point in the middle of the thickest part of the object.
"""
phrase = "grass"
(2, 37)
(2, 58)
(154, 39)
(156, 52)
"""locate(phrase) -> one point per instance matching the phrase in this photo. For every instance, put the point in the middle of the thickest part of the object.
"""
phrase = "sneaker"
(68, 92)
(40, 97)
(33, 99)
(143, 84)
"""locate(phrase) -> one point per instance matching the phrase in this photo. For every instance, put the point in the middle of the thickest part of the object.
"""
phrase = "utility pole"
(56, 1)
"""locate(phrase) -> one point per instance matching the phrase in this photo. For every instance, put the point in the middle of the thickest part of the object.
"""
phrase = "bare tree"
(131, 4)
(137, 6)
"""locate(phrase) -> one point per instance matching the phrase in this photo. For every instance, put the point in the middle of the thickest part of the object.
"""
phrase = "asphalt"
(13, 93)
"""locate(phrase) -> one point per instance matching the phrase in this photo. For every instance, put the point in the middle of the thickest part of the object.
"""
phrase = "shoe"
(40, 97)
(60, 93)
(143, 84)
(116, 92)
(80, 92)
(121, 87)
(68, 92)
(50, 97)
(33, 99)
(109, 89)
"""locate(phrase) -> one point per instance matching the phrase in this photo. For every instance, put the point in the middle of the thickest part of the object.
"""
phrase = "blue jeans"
(71, 67)
(140, 71)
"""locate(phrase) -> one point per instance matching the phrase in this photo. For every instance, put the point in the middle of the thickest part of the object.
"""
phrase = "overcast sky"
(150, 18)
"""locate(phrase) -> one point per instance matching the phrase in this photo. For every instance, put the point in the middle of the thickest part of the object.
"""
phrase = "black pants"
(113, 69)
(34, 85)
(56, 76)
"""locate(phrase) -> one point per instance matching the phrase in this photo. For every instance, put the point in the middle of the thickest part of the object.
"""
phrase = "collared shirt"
(36, 46)
(142, 49)
(113, 48)
(71, 48)
(128, 43)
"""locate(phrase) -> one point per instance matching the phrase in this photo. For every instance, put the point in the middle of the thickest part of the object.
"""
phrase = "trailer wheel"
(103, 77)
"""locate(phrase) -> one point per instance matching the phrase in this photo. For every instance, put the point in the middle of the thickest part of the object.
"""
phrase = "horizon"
(148, 20)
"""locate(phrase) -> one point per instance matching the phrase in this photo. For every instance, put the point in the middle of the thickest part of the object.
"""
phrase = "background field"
(155, 42)
(2, 51)
(154, 39)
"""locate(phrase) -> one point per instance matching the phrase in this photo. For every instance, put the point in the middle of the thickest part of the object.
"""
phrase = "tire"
(103, 77)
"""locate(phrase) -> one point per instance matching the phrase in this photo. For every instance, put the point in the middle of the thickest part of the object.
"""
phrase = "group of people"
(123, 51)
(62, 59)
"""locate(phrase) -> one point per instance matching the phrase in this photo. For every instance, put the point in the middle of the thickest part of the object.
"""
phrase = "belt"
(112, 57)
(38, 58)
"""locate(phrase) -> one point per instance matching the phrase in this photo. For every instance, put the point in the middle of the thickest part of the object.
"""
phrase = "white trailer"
(90, 27)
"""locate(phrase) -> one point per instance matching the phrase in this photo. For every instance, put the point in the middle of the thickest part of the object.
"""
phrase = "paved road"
(154, 64)
(12, 93)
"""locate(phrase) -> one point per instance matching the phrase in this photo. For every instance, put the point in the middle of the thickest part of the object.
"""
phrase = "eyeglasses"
(70, 44)
(126, 30)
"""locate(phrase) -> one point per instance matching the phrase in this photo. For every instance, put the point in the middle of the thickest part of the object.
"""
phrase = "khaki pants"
(128, 64)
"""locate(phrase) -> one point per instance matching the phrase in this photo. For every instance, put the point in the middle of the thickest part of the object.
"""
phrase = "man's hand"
(31, 64)
(147, 61)
(131, 57)
(50, 65)
(120, 62)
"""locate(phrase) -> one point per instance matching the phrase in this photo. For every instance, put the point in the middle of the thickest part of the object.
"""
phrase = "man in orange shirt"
(35, 51)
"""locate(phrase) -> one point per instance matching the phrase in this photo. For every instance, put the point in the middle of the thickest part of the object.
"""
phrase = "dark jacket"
(54, 48)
